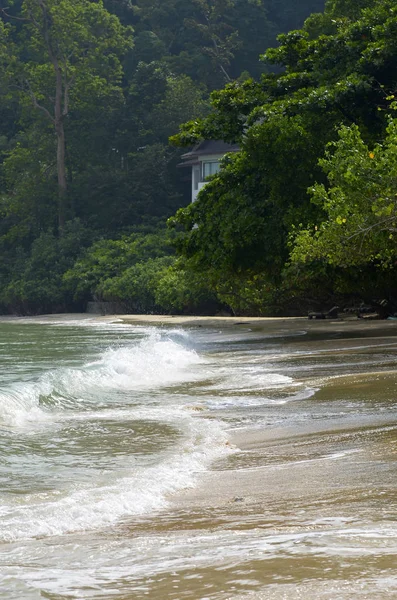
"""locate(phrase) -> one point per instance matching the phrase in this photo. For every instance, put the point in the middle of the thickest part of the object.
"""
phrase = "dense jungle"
(99, 100)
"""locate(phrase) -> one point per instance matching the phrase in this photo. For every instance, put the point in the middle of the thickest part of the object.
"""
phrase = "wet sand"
(266, 324)
(318, 494)
(301, 502)
(258, 483)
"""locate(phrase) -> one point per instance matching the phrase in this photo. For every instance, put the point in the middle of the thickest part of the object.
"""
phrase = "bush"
(37, 286)
(136, 286)
(108, 260)
(181, 291)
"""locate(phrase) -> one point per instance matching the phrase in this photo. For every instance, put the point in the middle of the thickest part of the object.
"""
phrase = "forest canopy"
(91, 92)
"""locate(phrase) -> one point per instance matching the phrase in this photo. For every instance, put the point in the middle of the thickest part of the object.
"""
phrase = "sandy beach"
(249, 486)
(265, 323)
(309, 488)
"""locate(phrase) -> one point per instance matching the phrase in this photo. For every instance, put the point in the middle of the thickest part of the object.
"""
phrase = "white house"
(204, 160)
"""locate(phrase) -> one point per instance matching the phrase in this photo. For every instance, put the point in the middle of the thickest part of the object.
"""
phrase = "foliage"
(108, 260)
(66, 55)
(139, 272)
(338, 74)
(136, 286)
(36, 285)
(214, 41)
(86, 110)
(360, 203)
(180, 290)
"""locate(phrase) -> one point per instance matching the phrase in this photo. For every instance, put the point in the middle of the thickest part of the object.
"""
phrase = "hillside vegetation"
(92, 91)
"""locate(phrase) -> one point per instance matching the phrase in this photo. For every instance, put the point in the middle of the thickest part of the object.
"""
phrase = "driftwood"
(332, 313)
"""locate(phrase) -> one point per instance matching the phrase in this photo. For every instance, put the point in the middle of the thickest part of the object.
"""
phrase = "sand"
(345, 324)
(221, 487)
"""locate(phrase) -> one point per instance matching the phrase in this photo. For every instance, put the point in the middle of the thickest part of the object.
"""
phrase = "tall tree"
(62, 48)
(212, 41)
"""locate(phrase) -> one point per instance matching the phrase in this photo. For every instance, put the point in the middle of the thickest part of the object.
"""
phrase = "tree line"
(90, 93)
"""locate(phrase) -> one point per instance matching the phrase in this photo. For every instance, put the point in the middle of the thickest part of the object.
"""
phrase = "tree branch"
(6, 14)
(365, 230)
(37, 105)
(216, 48)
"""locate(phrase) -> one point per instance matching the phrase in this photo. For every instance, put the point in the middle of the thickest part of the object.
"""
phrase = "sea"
(213, 461)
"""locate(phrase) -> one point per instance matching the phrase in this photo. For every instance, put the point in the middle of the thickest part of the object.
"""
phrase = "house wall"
(197, 172)
(196, 179)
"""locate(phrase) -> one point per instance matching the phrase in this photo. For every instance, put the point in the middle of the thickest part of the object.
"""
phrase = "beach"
(309, 480)
(198, 458)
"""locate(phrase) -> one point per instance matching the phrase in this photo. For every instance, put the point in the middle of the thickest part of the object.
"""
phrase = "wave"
(46, 422)
(150, 363)
(142, 490)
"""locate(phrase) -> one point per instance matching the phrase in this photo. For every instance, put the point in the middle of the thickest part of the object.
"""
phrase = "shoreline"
(267, 484)
(343, 325)
(238, 489)
(297, 483)
(300, 481)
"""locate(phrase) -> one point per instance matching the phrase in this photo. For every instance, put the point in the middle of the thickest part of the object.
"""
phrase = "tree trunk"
(61, 148)
(60, 110)
(61, 169)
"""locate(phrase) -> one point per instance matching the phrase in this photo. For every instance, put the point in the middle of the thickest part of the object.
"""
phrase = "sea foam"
(150, 363)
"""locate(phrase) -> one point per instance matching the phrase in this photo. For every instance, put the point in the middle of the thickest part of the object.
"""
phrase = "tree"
(119, 171)
(111, 269)
(211, 41)
(37, 284)
(63, 50)
(283, 123)
(359, 202)
(290, 15)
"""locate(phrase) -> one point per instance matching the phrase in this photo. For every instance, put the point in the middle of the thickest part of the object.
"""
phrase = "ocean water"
(227, 462)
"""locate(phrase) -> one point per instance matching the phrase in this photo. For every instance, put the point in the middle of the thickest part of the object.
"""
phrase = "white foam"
(142, 490)
(154, 361)
(228, 402)
(106, 388)
(250, 378)
(19, 403)
(150, 363)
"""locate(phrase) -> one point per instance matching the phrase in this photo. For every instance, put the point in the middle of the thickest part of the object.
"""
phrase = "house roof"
(209, 147)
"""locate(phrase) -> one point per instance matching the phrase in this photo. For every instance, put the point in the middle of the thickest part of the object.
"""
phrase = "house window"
(210, 168)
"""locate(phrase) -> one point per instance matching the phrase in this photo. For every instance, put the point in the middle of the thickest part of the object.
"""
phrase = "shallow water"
(197, 463)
